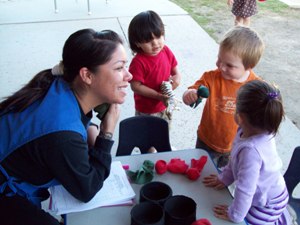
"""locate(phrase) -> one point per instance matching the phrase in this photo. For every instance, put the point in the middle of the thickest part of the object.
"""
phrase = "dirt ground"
(280, 63)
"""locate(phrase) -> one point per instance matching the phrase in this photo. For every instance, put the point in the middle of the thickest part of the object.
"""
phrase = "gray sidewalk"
(32, 36)
(292, 3)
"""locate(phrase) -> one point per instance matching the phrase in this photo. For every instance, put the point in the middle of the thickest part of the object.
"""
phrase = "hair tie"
(58, 69)
(272, 95)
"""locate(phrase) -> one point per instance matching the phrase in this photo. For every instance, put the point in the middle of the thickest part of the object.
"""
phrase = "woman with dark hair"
(44, 137)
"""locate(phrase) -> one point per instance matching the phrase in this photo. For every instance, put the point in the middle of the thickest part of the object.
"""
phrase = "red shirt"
(151, 71)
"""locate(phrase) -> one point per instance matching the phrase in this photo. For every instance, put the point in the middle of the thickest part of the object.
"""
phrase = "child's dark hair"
(261, 103)
(143, 27)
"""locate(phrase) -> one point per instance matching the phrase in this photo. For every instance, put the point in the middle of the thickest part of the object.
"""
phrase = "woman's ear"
(85, 75)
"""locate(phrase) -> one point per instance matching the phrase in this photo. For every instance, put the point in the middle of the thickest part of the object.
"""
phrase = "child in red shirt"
(152, 64)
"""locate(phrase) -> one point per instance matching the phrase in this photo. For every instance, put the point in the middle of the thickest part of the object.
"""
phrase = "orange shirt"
(217, 128)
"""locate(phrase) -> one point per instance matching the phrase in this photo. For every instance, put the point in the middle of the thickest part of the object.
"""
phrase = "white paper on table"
(116, 190)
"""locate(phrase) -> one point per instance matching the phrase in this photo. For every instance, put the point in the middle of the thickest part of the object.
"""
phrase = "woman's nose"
(128, 75)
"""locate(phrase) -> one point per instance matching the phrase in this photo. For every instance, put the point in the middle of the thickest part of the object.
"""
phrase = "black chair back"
(143, 132)
(292, 178)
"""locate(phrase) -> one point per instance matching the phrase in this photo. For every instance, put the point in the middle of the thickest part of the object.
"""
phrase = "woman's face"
(111, 79)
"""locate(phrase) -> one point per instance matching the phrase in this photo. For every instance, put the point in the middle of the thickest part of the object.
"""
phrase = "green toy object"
(144, 175)
(101, 110)
(202, 92)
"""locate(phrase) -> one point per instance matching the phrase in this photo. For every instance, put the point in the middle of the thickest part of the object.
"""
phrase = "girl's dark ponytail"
(32, 91)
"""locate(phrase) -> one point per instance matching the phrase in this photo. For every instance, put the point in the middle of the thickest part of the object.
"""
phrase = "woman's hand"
(111, 119)
(213, 181)
(221, 211)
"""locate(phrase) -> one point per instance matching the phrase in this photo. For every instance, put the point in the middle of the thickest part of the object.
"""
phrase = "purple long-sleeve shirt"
(255, 168)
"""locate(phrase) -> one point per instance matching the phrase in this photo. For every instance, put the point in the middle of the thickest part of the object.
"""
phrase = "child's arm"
(138, 88)
(220, 211)
(175, 77)
(190, 96)
(249, 164)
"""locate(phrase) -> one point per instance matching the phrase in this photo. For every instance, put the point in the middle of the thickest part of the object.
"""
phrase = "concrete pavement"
(32, 36)
(292, 3)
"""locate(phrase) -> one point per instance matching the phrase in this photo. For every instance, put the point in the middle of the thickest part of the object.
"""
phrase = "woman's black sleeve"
(80, 170)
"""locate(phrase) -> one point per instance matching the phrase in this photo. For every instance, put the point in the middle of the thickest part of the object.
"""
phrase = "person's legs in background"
(243, 21)
(219, 159)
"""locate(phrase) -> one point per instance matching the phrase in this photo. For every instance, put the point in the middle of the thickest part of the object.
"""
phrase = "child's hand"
(164, 99)
(221, 211)
(213, 181)
(190, 96)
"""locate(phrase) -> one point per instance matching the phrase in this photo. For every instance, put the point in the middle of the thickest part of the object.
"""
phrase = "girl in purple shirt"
(260, 194)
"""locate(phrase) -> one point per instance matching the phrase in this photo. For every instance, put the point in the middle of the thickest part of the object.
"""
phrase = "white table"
(205, 197)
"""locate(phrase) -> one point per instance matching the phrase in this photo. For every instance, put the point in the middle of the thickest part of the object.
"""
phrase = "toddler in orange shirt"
(239, 52)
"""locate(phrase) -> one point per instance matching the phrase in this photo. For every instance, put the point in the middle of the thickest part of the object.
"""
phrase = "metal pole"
(55, 6)
(89, 9)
